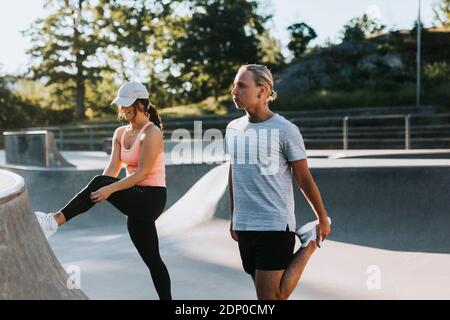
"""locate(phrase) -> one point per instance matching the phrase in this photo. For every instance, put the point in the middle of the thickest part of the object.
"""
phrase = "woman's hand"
(101, 194)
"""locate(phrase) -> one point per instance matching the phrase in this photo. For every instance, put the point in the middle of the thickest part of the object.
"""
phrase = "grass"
(404, 96)
(206, 107)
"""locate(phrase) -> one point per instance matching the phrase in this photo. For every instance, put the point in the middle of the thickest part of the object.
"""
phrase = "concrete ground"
(204, 261)
(317, 158)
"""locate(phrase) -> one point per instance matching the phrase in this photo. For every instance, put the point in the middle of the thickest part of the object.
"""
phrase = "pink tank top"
(157, 176)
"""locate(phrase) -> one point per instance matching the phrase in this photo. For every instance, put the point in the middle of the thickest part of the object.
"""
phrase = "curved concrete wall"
(51, 189)
(397, 208)
(28, 268)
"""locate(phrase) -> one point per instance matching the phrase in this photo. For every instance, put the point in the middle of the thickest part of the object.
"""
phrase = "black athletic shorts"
(265, 250)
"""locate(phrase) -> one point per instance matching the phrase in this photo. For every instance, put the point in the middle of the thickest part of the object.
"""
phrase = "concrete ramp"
(199, 204)
(51, 188)
(33, 148)
(390, 219)
(28, 268)
(402, 208)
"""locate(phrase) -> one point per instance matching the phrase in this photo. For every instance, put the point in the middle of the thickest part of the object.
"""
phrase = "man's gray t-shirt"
(261, 174)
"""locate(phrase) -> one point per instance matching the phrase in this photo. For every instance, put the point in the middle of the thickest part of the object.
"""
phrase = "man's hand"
(323, 230)
(233, 232)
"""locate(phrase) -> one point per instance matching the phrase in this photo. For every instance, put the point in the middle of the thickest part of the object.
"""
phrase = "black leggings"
(143, 205)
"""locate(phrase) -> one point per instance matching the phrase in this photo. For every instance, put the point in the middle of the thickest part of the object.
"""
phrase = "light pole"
(419, 25)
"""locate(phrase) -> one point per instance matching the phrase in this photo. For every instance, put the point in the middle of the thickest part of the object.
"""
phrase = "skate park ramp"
(404, 208)
(33, 148)
(389, 235)
(393, 154)
(28, 268)
(199, 205)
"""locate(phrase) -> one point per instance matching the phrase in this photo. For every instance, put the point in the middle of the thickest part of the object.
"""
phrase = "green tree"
(442, 13)
(270, 49)
(17, 111)
(141, 33)
(11, 112)
(220, 36)
(67, 46)
(301, 36)
(357, 29)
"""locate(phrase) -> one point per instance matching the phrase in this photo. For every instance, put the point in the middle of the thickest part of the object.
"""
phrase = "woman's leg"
(130, 202)
(81, 202)
(145, 238)
(142, 205)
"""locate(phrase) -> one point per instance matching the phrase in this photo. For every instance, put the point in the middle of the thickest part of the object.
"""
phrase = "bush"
(16, 112)
(326, 99)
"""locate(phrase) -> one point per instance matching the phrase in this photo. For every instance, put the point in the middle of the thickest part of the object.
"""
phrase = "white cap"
(129, 92)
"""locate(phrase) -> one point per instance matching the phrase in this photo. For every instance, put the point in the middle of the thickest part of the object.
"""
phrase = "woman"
(261, 194)
(141, 195)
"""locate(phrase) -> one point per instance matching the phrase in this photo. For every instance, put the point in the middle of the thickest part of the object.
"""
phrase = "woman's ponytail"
(151, 112)
(154, 116)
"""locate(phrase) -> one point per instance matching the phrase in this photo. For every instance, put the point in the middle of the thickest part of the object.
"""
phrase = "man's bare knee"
(273, 295)
(267, 296)
(282, 295)
(268, 284)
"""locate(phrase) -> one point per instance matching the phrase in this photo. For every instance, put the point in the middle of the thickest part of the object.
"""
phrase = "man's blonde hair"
(262, 76)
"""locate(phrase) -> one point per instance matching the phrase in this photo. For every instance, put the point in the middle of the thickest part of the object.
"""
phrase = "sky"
(326, 17)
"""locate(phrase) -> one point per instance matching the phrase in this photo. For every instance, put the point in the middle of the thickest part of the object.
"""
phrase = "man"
(265, 150)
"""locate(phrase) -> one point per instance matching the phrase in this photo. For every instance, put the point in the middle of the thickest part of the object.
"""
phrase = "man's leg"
(279, 284)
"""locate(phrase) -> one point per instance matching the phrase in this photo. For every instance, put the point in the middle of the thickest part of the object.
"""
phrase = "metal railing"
(90, 136)
(408, 129)
(404, 131)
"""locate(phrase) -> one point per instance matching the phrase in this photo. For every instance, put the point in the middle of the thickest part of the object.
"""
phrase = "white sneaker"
(308, 232)
(47, 222)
